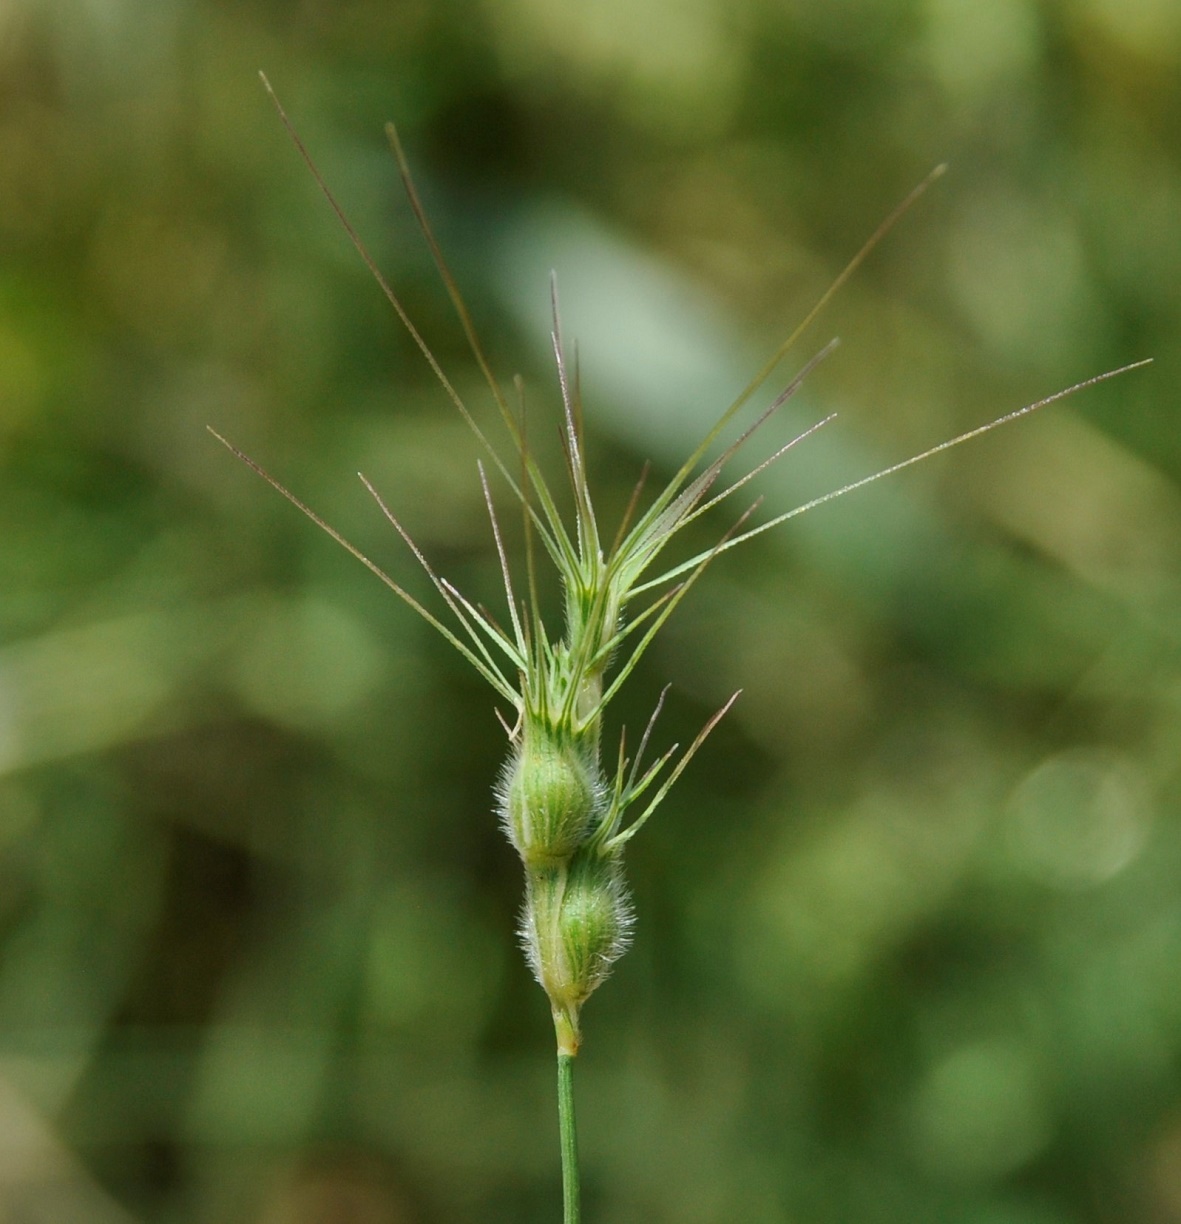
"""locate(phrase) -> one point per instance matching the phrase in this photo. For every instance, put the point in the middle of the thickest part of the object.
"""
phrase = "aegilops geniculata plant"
(568, 818)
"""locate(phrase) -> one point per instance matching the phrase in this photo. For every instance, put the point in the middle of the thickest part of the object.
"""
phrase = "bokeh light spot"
(1021, 276)
(979, 1114)
(973, 46)
(1078, 819)
(307, 662)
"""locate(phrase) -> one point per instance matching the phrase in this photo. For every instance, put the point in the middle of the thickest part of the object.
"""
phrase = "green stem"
(571, 1212)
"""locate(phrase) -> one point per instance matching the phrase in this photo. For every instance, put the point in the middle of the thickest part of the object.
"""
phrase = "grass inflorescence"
(568, 815)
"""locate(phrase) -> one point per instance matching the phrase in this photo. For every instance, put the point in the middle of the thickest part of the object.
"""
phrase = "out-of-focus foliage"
(909, 942)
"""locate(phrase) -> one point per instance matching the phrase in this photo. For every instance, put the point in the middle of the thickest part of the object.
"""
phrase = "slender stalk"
(571, 1212)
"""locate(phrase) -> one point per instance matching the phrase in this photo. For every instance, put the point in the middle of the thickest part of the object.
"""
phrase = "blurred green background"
(909, 940)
